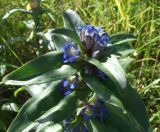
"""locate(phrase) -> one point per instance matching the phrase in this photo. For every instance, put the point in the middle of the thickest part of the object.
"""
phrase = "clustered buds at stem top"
(69, 84)
(94, 39)
(71, 53)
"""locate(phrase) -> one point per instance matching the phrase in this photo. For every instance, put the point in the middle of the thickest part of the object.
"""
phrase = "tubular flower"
(88, 112)
(97, 110)
(71, 53)
(69, 84)
(94, 39)
(101, 111)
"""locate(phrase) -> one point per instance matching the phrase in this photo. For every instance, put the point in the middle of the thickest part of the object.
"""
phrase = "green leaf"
(122, 50)
(35, 107)
(67, 33)
(136, 107)
(112, 69)
(121, 38)
(122, 121)
(59, 42)
(40, 65)
(53, 75)
(36, 89)
(72, 20)
(62, 110)
(118, 114)
(125, 62)
(95, 125)
(13, 11)
(102, 92)
(49, 127)
(70, 34)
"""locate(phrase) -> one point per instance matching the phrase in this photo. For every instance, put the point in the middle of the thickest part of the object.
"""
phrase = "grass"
(138, 17)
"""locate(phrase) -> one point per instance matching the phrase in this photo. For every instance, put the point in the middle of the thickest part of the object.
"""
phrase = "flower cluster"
(96, 110)
(71, 53)
(94, 39)
(69, 84)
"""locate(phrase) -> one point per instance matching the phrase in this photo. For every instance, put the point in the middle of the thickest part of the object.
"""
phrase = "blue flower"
(69, 84)
(101, 111)
(94, 39)
(96, 110)
(88, 112)
(105, 39)
(71, 53)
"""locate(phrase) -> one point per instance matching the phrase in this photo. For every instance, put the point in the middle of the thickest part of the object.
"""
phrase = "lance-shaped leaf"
(125, 62)
(70, 34)
(67, 33)
(72, 20)
(136, 107)
(123, 121)
(112, 69)
(121, 38)
(49, 127)
(95, 125)
(133, 105)
(36, 89)
(14, 11)
(35, 67)
(61, 111)
(123, 49)
(35, 107)
(53, 75)
(59, 42)
(117, 111)
(102, 92)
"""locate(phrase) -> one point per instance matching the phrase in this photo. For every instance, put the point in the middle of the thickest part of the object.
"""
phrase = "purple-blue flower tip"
(71, 53)
(96, 33)
(69, 84)
(97, 110)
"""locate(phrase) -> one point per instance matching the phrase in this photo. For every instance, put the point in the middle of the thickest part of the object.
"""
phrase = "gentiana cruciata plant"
(82, 85)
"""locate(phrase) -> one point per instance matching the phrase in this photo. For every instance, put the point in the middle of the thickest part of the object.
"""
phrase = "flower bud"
(94, 39)
(34, 4)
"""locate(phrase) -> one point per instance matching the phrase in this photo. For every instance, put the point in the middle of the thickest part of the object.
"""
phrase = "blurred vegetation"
(139, 17)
